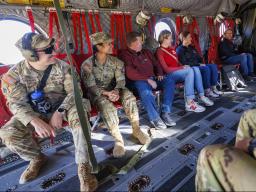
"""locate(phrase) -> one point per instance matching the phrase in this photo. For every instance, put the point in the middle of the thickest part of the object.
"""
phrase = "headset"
(28, 52)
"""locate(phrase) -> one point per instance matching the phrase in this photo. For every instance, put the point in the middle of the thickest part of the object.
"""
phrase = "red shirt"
(140, 65)
(168, 63)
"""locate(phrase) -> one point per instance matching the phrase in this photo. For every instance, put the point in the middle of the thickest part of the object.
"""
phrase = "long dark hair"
(182, 36)
(94, 51)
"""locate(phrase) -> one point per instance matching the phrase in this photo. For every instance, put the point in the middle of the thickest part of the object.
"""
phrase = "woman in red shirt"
(180, 73)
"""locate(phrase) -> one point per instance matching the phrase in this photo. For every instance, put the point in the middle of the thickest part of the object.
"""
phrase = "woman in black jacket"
(188, 55)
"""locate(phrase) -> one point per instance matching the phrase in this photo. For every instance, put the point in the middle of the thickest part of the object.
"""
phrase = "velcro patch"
(8, 79)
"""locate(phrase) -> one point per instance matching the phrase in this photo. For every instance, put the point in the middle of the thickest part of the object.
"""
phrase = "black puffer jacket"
(226, 49)
(188, 56)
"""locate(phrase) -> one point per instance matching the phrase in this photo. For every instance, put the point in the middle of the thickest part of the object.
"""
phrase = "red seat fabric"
(5, 114)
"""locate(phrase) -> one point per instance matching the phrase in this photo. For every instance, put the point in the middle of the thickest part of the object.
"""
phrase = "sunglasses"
(48, 50)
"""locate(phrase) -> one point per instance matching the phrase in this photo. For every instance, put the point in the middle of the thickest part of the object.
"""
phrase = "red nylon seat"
(4, 111)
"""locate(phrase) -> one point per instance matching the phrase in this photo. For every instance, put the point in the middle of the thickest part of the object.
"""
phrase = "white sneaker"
(206, 101)
(216, 91)
(211, 94)
(195, 107)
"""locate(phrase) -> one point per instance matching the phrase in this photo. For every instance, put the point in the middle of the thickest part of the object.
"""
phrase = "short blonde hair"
(164, 35)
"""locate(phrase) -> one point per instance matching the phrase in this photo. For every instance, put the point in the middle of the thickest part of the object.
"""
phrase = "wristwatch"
(61, 110)
(251, 147)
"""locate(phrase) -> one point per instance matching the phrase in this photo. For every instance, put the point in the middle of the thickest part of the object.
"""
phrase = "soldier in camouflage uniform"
(103, 76)
(23, 79)
(225, 168)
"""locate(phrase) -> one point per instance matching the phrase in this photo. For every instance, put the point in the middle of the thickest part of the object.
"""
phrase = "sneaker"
(206, 101)
(247, 78)
(216, 91)
(212, 94)
(195, 107)
(158, 124)
(167, 119)
(252, 75)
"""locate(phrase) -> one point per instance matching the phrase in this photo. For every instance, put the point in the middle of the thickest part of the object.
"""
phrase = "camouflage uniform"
(108, 77)
(225, 168)
(23, 79)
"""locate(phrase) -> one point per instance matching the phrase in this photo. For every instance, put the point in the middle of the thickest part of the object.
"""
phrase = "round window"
(11, 30)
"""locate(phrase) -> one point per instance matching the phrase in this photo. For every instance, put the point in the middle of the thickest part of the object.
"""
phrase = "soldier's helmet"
(30, 43)
(100, 37)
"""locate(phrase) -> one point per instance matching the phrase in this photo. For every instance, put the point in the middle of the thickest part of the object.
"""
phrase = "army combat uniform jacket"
(23, 79)
(107, 77)
(103, 77)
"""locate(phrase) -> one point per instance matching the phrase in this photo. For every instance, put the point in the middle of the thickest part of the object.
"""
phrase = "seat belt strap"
(128, 21)
(112, 29)
(74, 20)
(50, 31)
(31, 18)
(90, 14)
(97, 18)
(85, 125)
(87, 37)
(150, 27)
(123, 30)
(178, 28)
(78, 17)
(195, 27)
(117, 31)
(53, 17)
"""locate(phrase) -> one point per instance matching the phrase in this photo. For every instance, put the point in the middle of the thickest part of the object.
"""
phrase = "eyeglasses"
(48, 50)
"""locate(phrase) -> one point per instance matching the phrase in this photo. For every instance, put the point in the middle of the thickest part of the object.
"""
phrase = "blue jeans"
(148, 99)
(209, 74)
(187, 76)
(245, 60)
(198, 81)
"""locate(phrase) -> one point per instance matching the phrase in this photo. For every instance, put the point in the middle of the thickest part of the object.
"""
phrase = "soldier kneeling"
(103, 76)
(230, 168)
(39, 93)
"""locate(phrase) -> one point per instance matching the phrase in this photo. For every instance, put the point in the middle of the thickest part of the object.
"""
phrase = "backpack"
(232, 77)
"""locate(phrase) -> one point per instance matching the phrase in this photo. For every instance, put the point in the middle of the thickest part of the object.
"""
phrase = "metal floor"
(168, 164)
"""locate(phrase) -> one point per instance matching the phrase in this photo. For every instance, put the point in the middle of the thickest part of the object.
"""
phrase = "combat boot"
(33, 169)
(88, 181)
(119, 149)
(140, 135)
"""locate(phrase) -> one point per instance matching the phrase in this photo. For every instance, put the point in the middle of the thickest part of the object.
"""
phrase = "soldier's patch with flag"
(8, 79)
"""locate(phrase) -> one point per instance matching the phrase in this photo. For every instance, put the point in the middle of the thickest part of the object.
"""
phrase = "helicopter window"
(165, 24)
(10, 31)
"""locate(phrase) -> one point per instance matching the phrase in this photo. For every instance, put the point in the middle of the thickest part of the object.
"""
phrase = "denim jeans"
(148, 100)
(245, 60)
(187, 76)
(198, 81)
(209, 74)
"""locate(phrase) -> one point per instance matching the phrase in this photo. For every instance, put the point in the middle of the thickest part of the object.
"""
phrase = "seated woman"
(103, 76)
(170, 65)
(230, 56)
(188, 55)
